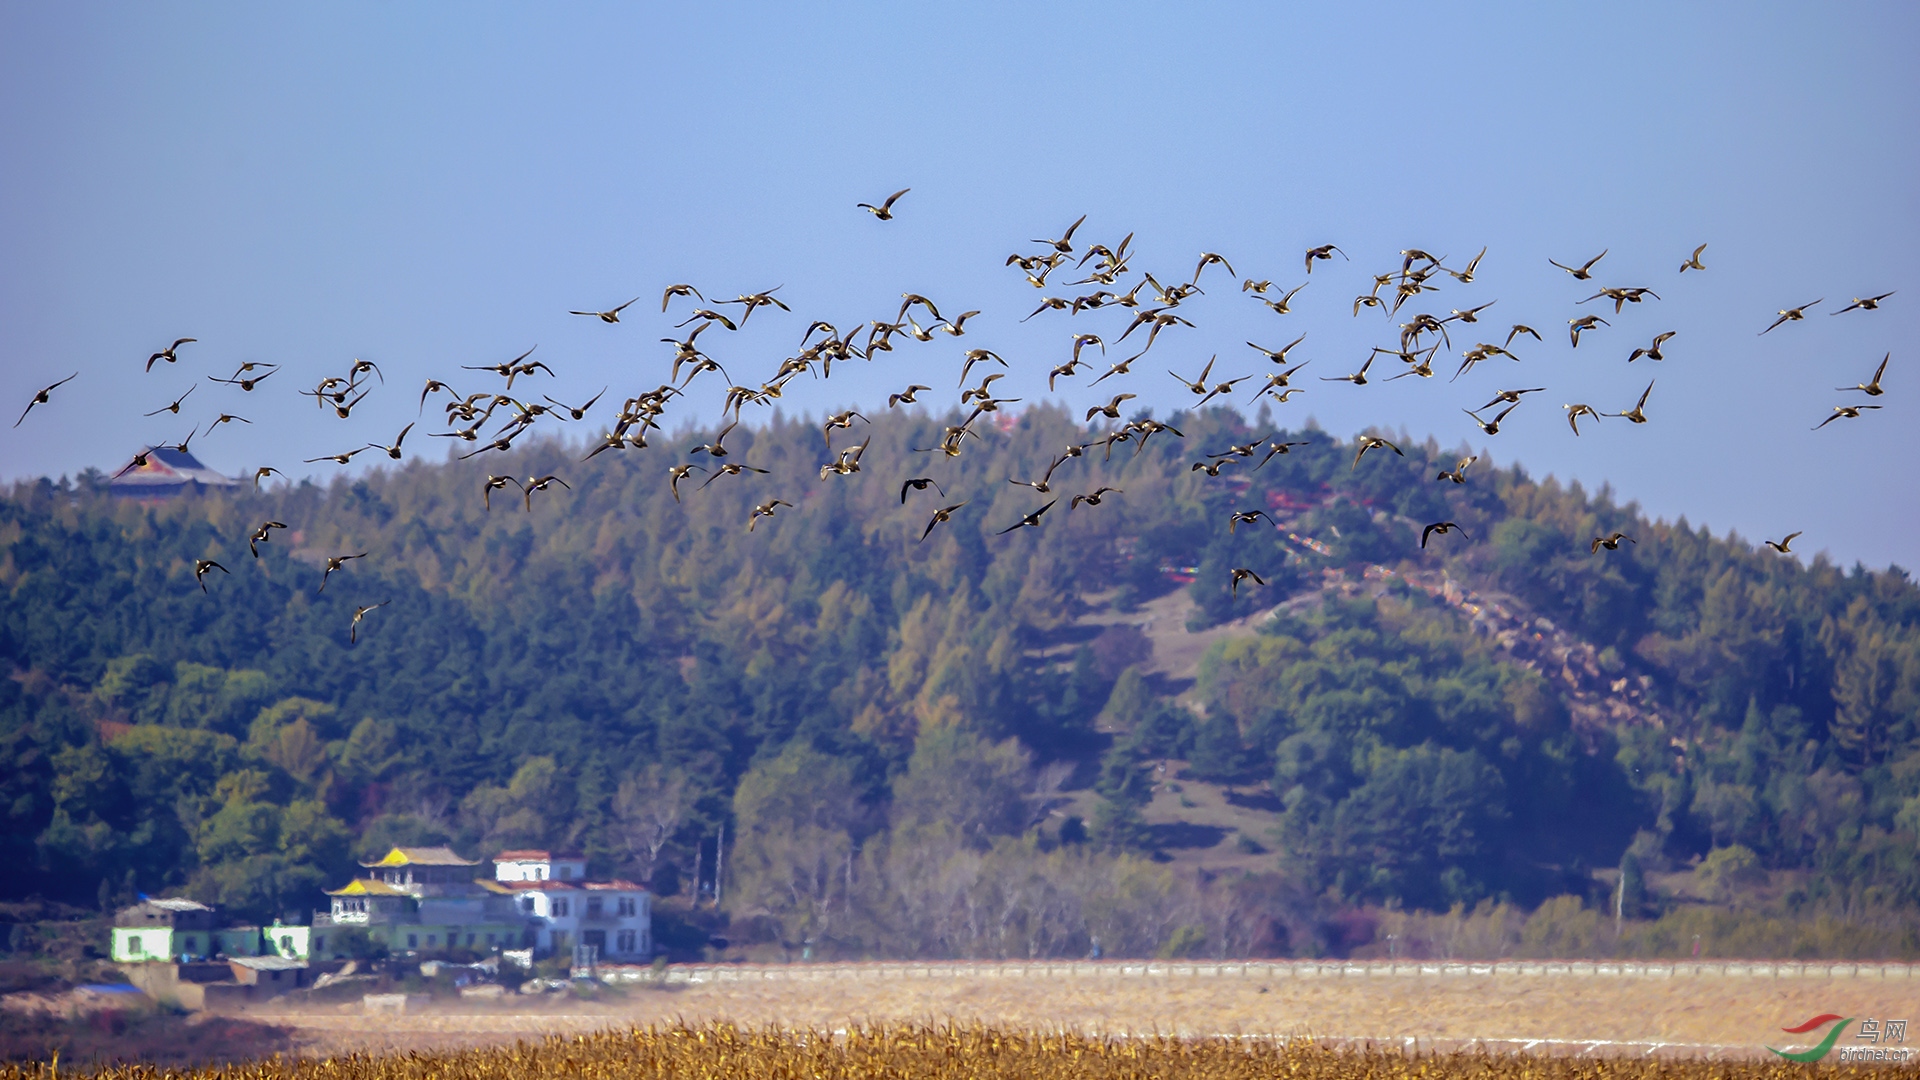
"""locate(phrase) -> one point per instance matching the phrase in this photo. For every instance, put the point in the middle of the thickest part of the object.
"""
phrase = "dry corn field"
(1567, 1015)
(937, 1052)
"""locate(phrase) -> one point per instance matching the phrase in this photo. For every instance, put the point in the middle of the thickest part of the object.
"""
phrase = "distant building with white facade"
(564, 910)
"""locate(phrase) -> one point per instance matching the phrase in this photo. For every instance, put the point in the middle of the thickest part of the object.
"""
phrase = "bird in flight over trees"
(200, 568)
(1443, 528)
(1611, 543)
(1240, 574)
(353, 630)
(1784, 546)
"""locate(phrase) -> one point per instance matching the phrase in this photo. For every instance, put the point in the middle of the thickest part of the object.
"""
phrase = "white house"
(565, 910)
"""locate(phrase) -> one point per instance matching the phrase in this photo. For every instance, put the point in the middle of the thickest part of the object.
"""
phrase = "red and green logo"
(1826, 1044)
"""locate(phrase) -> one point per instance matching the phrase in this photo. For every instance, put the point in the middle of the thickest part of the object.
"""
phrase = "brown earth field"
(1719, 1017)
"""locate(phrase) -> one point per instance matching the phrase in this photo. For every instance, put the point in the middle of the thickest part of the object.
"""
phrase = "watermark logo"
(1872, 1031)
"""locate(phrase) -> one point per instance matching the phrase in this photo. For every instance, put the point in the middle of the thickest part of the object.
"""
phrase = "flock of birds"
(471, 418)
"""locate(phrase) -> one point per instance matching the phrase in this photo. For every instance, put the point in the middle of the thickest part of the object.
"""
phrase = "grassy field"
(1723, 1017)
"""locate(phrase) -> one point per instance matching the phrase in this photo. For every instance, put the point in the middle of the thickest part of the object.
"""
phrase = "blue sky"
(430, 186)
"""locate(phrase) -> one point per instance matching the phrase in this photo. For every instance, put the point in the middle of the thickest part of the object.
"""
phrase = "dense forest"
(881, 725)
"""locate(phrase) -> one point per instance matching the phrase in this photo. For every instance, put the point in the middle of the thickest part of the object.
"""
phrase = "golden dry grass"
(939, 1052)
(1735, 1016)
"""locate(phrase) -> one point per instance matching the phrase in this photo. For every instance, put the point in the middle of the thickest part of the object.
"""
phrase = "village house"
(417, 900)
(612, 920)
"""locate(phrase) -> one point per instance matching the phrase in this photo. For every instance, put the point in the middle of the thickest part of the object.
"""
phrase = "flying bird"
(1634, 414)
(42, 397)
(765, 509)
(1064, 245)
(1851, 412)
(1458, 474)
(610, 316)
(680, 290)
(1784, 546)
(353, 630)
(335, 562)
(1868, 303)
(200, 568)
(263, 472)
(1443, 528)
(679, 473)
(1240, 574)
(1872, 387)
(172, 407)
(542, 483)
(1323, 252)
(1246, 516)
(495, 483)
(1275, 449)
(1584, 322)
(919, 483)
(1611, 543)
(945, 513)
(1575, 412)
(1693, 261)
(1092, 499)
(1030, 521)
(1491, 427)
(1584, 271)
(1371, 442)
(1787, 315)
(167, 353)
(262, 535)
(884, 211)
(1652, 352)
(394, 450)
(1111, 410)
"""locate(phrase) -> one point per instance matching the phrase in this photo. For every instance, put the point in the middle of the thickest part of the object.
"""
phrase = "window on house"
(470, 939)
(432, 940)
(134, 947)
(594, 908)
(319, 942)
(413, 941)
(624, 941)
(561, 907)
(626, 906)
(286, 943)
(526, 904)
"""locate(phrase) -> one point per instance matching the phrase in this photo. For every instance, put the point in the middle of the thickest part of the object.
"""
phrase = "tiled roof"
(623, 886)
(420, 856)
(367, 887)
(549, 885)
(532, 855)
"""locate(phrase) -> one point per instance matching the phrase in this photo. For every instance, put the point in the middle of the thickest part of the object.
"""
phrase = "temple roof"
(367, 887)
(166, 468)
(419, 856)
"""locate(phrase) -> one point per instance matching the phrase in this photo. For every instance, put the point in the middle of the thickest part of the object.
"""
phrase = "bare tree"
(648, 810)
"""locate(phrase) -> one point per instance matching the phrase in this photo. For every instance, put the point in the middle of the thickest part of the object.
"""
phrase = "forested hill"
(624, 672)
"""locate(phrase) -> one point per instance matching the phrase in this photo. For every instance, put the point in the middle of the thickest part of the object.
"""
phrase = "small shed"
(269, 974)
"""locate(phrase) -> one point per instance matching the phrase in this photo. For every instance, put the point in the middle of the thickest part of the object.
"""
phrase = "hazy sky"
(429, 186)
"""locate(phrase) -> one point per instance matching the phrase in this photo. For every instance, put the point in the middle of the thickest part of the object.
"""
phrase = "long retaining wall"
(1261, 970)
